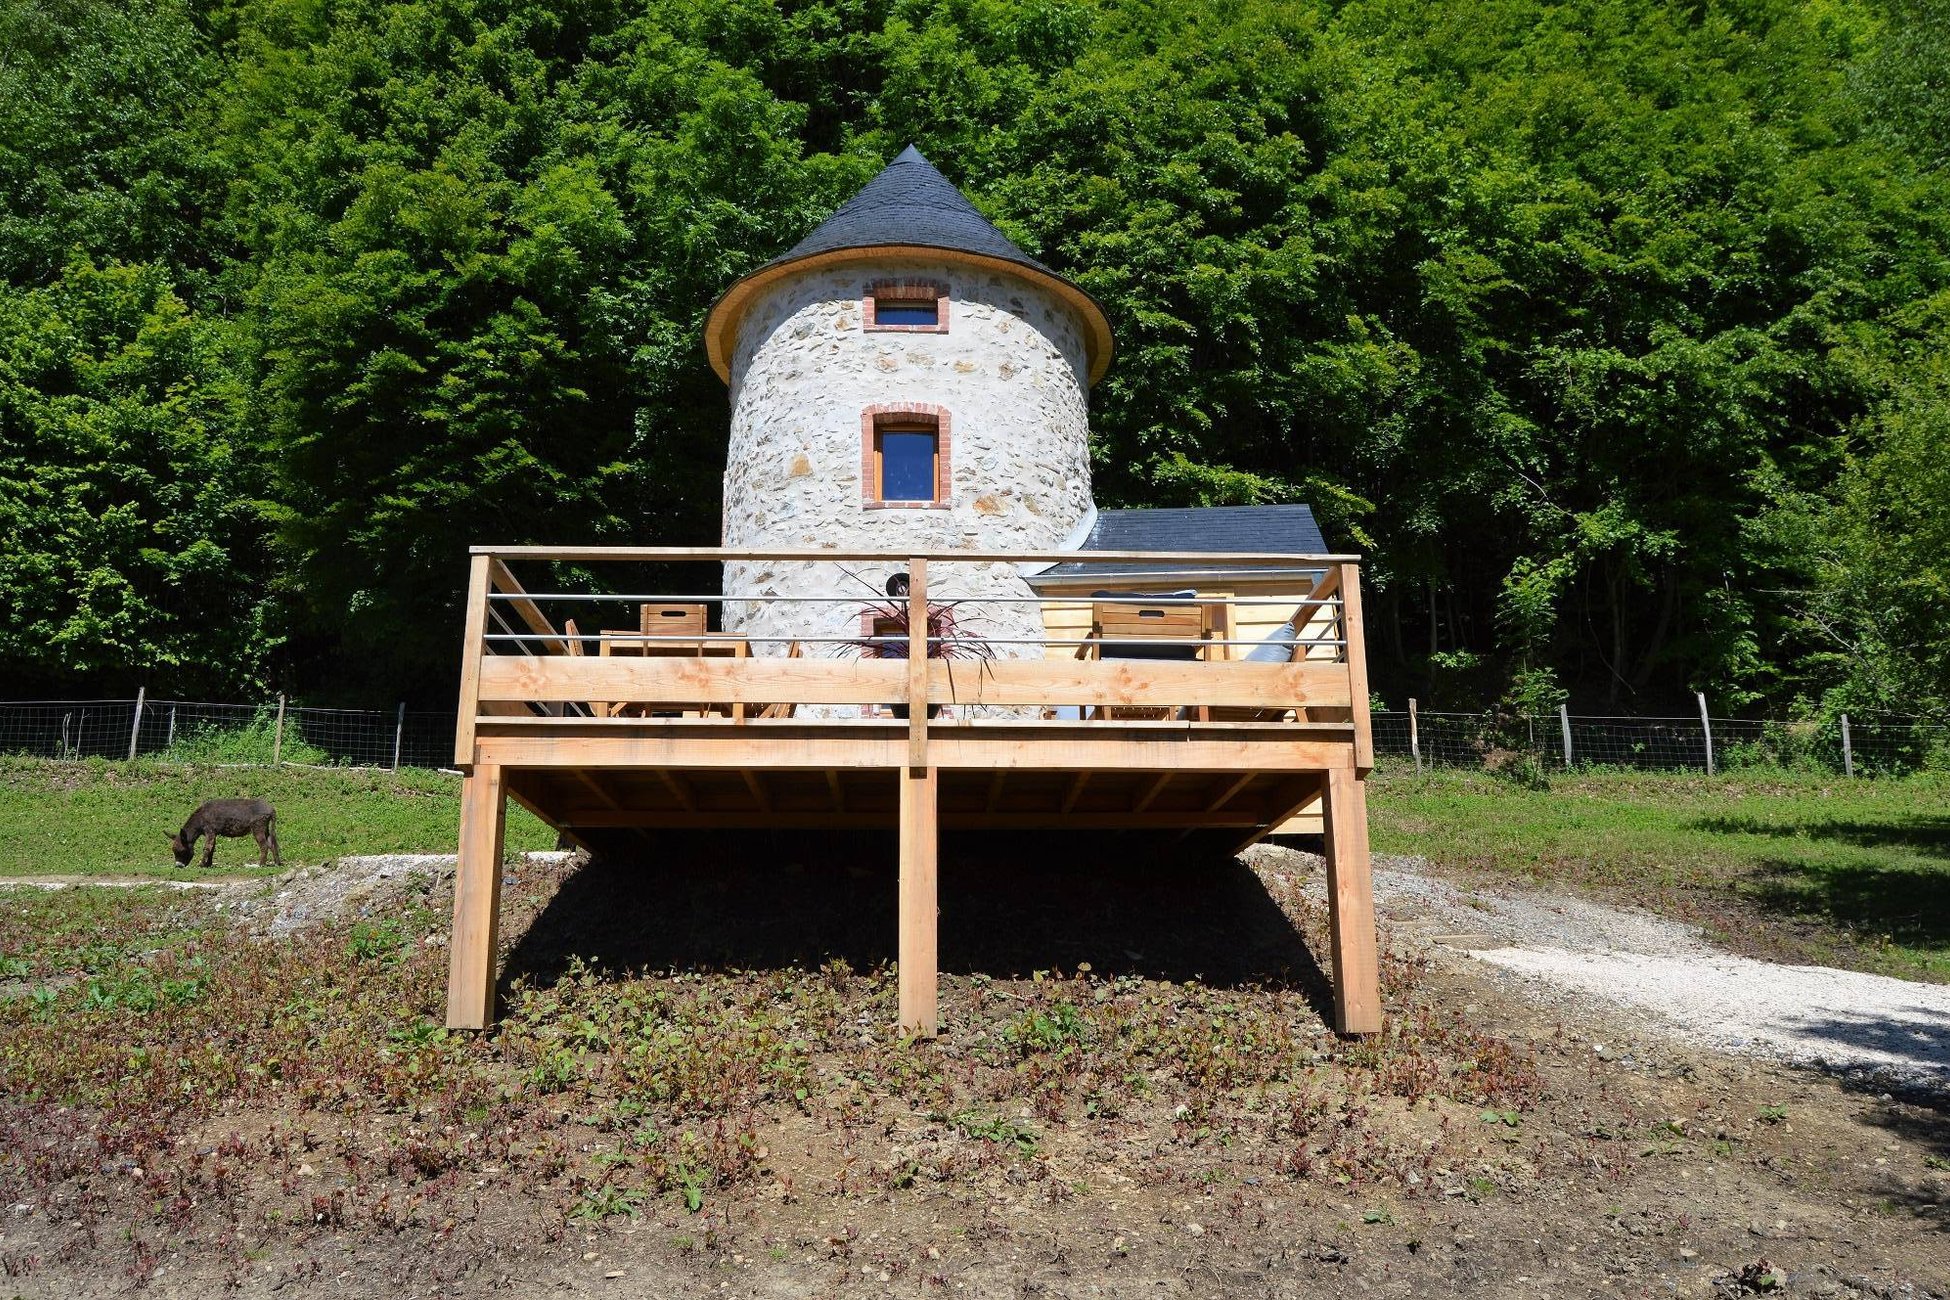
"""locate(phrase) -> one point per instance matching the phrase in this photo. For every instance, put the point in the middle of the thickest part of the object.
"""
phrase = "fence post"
(66, 718)
(399, 731)
(1564, 722)
(171, 742)
(135, 728)
(277, 737)
(1414, 735)
(1706, 727)
(1848, 749)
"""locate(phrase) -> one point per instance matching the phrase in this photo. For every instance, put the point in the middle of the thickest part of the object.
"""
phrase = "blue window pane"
(887, 312)
(906, 465)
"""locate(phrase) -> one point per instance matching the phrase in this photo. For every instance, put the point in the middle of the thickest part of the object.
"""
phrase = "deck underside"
(617, 774)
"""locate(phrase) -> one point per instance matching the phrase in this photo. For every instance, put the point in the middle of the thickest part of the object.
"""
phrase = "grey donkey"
(230, 817)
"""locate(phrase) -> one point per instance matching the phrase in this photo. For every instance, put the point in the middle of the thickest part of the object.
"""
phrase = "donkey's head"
(181, 849)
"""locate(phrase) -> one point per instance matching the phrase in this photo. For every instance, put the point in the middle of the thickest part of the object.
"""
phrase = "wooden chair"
(667, 631)
(675, 620)
(1137, 629)
(781, 710)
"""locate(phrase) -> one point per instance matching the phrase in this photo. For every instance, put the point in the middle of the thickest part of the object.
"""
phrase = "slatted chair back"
(572, 637)
(1156, 628)
(675, 620)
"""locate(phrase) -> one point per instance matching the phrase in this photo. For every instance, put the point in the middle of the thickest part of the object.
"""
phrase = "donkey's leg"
(262, 833)
(209, 848)
(271, 829)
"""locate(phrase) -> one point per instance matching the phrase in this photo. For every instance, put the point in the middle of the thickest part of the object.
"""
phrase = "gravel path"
(1887, 1030)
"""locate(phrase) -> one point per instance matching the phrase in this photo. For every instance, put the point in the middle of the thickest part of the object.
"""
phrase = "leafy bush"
(252, 742)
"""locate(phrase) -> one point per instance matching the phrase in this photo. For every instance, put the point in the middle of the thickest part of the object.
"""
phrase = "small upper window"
(919, 307)
(906, 311)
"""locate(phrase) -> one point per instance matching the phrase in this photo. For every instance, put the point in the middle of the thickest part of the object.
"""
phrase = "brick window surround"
(906, 291)
(924, 415)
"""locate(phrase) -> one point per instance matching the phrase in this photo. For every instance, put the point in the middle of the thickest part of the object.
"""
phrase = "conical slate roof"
(908, 208)
(912, 204)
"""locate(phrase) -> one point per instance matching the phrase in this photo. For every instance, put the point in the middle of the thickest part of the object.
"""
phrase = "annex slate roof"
(910, 206)
(1214, 529)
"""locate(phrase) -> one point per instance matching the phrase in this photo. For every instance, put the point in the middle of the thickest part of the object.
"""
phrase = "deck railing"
(567, 648)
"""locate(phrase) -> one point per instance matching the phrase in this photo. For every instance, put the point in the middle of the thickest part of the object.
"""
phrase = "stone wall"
(1011, 373)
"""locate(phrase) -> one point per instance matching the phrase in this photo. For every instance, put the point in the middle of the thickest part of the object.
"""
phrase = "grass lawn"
(1794, 867)
(101, 818)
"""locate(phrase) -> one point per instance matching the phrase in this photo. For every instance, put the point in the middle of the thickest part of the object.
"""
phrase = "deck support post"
(477, 899)
(918, 905)
(1350, 903)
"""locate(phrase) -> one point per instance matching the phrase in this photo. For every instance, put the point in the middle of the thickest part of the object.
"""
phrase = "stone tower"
(905, 377)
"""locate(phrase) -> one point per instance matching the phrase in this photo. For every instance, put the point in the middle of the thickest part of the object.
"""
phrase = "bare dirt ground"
(1135, 1095)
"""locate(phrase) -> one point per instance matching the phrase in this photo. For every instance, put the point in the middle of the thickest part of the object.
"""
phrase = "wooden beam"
(1232, 788)
(995, 790)
(1209, 559)
(1314, 789)
(1115, 748)
(515, 794)
(757, 788)
(477, 899)
(1357, 669)
(595, 787)
(679, 790)
(969, 820)
(1076, 790)
(1139, 683)
(688, 679)
(472, 648)
(527, 610)
(918, 905)
(1151, 793)
(1350, 905)
(837, 790)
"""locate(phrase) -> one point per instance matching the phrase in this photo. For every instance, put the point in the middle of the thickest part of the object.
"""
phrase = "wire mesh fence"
(1859, 745)
(192, 731)
(200, 732)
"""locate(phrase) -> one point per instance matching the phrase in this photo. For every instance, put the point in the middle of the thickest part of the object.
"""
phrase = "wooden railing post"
(1357, 671)
(472, 647)
(918, 650)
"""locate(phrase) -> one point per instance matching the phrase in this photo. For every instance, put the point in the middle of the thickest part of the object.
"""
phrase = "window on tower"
(904, 456)
(911, 306)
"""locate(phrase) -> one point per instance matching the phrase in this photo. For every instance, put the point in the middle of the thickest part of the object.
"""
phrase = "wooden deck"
(1039, 736)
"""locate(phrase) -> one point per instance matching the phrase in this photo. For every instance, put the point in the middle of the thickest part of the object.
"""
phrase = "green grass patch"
(102, 818)
(1857, 872)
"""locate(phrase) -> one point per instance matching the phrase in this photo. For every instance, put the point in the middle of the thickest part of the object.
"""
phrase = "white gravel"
(1567, 950)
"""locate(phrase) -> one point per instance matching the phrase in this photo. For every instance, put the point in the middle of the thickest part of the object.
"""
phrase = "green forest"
(1614, 333)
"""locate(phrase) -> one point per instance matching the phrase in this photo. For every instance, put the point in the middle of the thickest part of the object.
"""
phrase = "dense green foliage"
(1612, 330)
